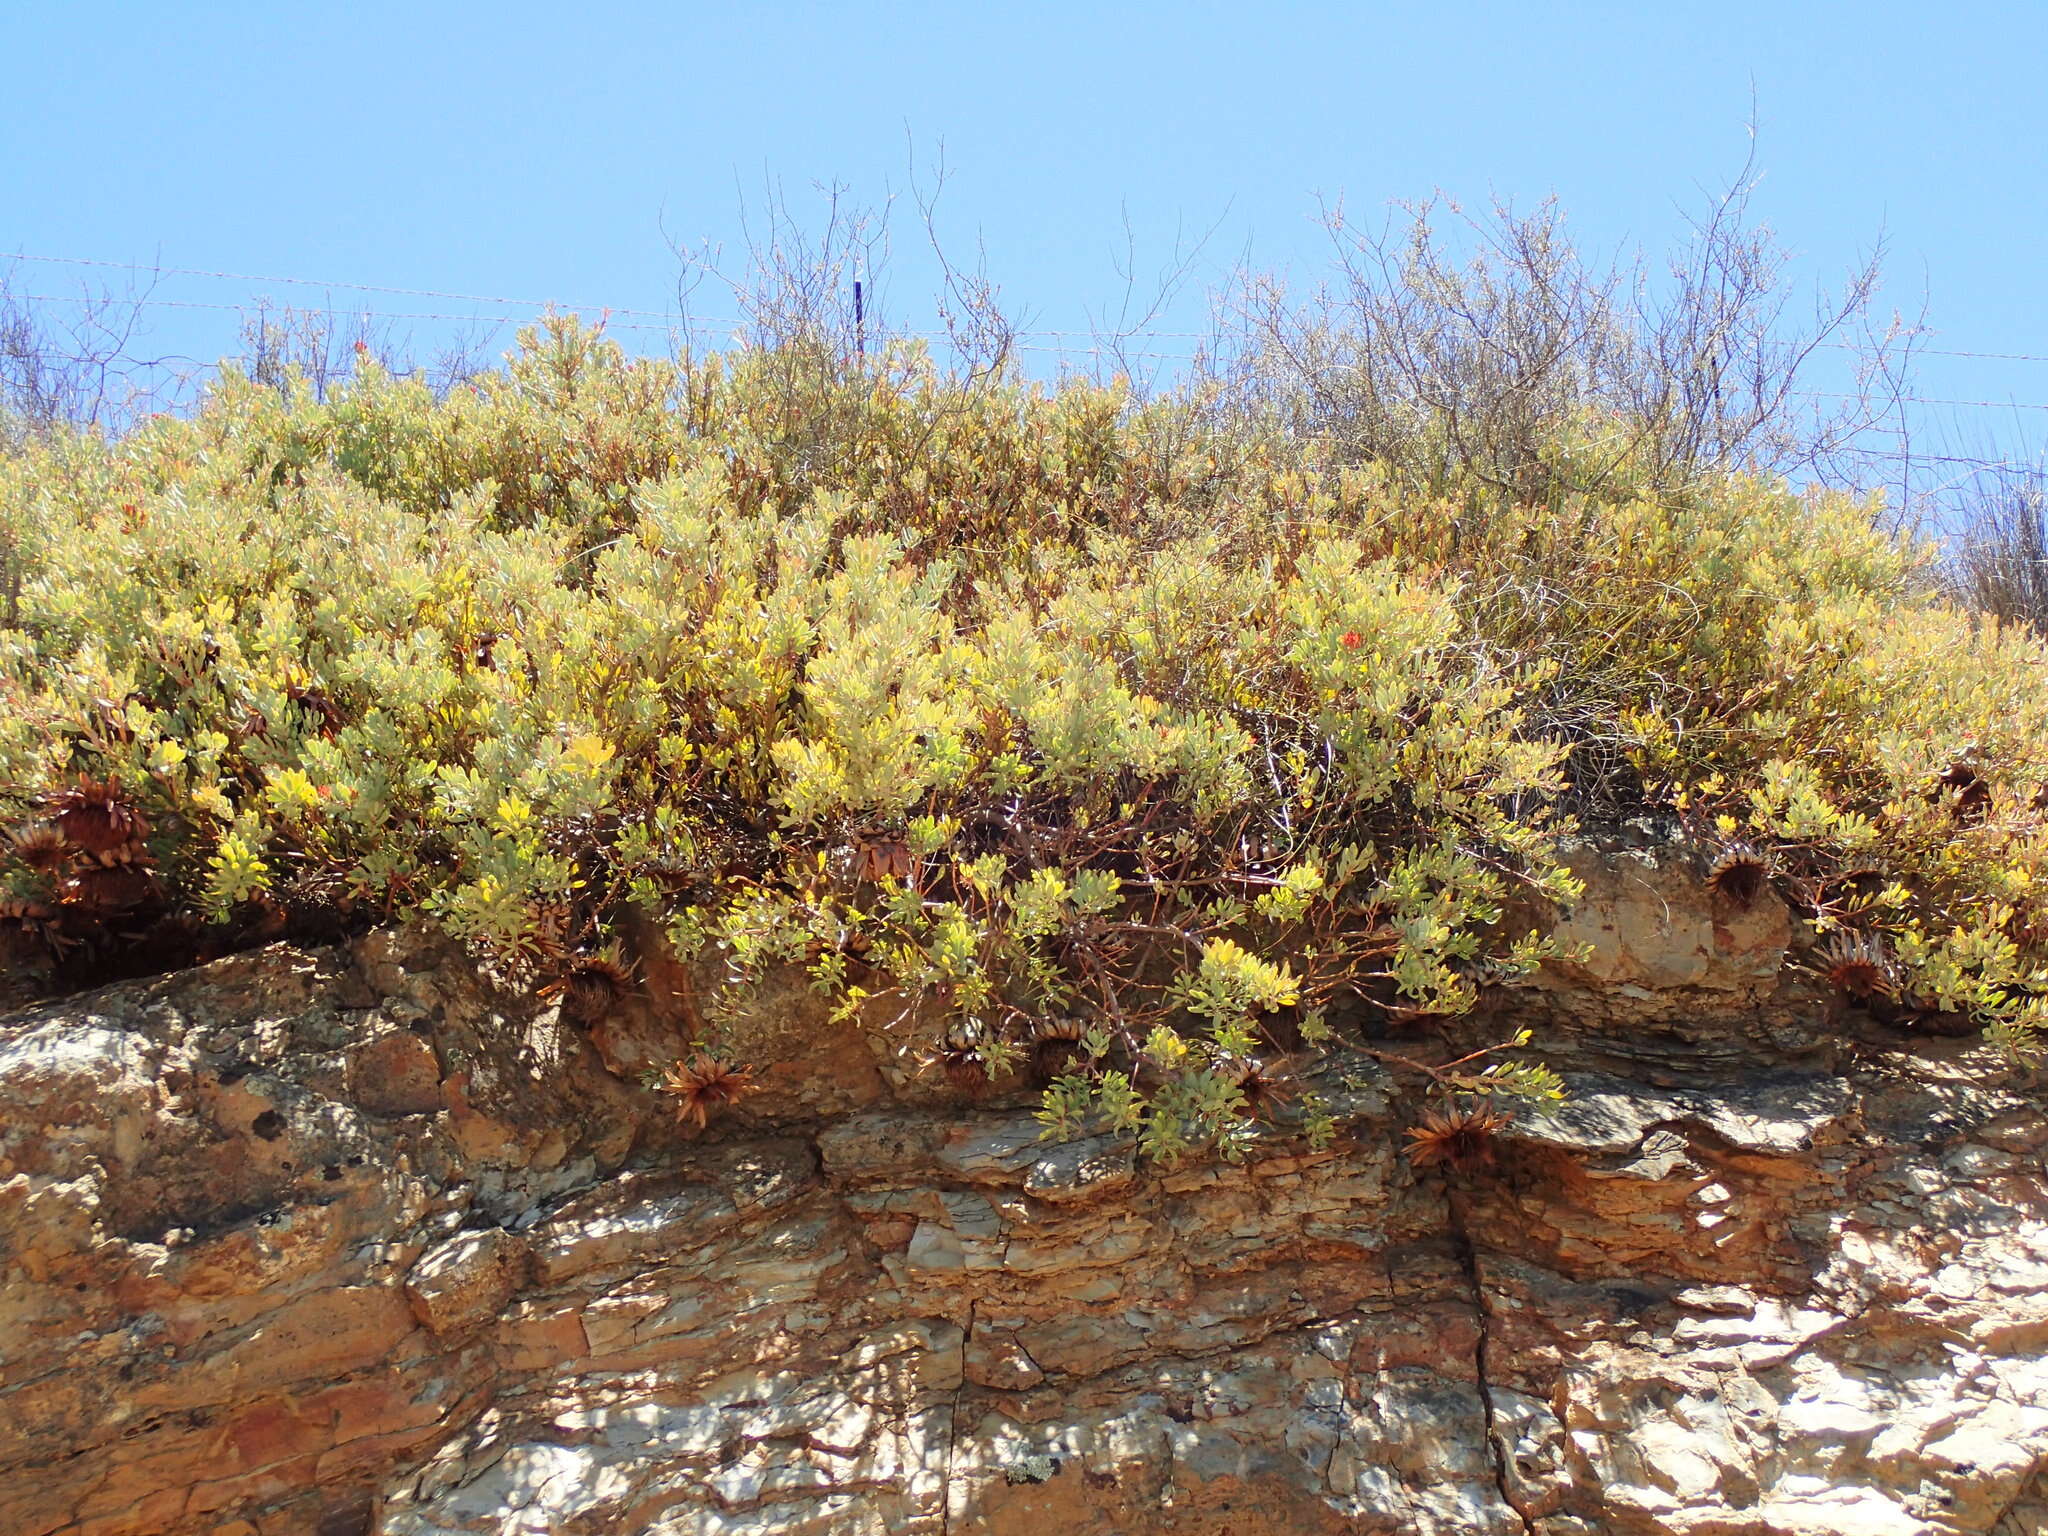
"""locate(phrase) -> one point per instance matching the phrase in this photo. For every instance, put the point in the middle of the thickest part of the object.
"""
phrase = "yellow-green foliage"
(989, 705)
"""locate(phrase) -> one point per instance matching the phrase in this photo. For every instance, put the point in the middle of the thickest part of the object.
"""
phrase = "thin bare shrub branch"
(75, 362)
(1451, 343)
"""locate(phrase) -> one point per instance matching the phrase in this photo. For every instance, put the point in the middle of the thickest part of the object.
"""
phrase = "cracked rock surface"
(333, 1243)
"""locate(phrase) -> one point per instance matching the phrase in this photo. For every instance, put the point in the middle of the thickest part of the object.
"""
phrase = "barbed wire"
(2001, 405)
(367, 314)
(310, 282)
(679, 323)
(1912, 456)
(672, 324)
(1917, 351)
(159, 270)
(675, 324)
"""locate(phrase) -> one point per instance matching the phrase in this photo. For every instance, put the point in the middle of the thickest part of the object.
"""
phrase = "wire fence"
(170, 381)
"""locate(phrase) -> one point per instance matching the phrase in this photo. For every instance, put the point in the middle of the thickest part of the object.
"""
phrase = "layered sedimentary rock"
(339, 1242)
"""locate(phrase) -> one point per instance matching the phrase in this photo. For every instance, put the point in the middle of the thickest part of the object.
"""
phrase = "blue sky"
(539, 151)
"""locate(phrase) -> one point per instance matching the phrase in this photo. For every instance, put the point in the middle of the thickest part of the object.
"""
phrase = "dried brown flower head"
(1266, 1085)
(39, 846)
(593, 987)
(24, 922)
(1459, 1137)
(963, 1061)
(538, 950)
(93, 816)
(1056, 1048)
(704, 1084)
(116, 881)
(1856, 965)
(1739, 874)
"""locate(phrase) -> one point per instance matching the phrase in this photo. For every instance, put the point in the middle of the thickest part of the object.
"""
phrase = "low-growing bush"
(994, 705)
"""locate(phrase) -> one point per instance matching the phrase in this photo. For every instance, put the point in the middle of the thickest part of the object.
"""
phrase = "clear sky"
(538, 151)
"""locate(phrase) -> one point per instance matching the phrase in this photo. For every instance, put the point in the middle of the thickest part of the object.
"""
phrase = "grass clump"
(989, 704)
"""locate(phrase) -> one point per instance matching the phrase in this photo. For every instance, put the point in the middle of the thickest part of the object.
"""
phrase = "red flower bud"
(1352, 640)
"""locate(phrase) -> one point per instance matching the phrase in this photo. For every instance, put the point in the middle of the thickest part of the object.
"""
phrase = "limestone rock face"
(327, 1244)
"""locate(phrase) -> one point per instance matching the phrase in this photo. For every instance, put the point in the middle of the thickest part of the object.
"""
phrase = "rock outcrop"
(335, 1243)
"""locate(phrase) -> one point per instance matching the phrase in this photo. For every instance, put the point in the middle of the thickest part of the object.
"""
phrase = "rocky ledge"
(336, 1243)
